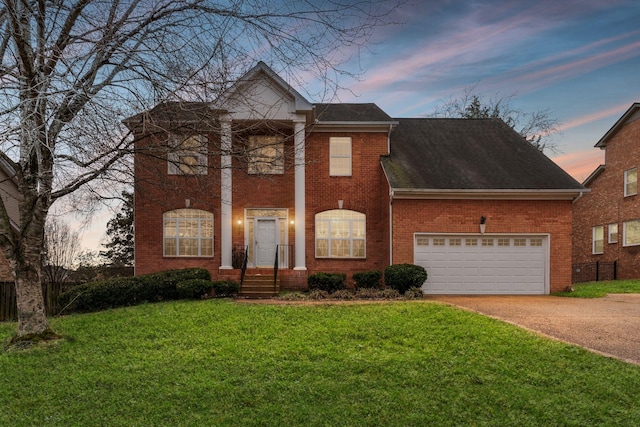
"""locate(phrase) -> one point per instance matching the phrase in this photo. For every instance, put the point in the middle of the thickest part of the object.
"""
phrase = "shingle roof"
(468, 154)
(351, 113)
(175, 114)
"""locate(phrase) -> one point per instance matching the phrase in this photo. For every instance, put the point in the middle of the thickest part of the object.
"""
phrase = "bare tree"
(537, 127)
(61, 250)
(72, 70)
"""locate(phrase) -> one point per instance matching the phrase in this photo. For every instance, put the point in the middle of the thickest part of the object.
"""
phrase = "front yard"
(216, 362)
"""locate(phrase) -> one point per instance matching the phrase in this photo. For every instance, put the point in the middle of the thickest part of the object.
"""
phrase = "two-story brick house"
(606, 220)
(346, 188)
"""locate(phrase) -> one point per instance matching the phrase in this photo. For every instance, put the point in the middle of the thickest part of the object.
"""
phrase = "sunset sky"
(580, 60)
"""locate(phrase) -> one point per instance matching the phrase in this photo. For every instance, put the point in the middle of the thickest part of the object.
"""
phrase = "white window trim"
(624, 233)
(626, 182)
(350, 238)
(332, 155)
(173, 156)
(177, 237)
(594, 242)
(610, 234)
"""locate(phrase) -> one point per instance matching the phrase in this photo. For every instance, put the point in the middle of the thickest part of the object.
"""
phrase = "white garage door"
(485, 264)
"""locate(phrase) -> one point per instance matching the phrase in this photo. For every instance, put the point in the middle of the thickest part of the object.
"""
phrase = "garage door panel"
(499, 264)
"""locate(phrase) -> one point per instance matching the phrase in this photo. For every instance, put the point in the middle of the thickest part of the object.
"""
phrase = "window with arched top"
(340, 233)
(188, 233)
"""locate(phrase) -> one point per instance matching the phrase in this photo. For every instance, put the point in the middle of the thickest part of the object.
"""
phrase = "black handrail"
(244, 264)
(275, 271)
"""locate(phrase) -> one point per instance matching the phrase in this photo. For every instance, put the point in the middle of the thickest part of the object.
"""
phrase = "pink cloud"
(580, 164)
(618, 110)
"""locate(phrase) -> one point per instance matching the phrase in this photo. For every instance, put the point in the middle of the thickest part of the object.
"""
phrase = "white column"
(299, 141)
(226, 220)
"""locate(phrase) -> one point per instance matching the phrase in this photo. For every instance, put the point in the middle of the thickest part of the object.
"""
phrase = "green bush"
(329, 282)
(125, 291)
(402, 277)
(194, 288)
(225, 288)
(367, 279)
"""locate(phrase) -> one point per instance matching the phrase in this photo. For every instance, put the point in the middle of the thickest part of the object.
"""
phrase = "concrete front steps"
(259, 286)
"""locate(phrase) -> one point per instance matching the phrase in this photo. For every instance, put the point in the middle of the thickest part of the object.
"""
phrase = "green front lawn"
(217, 363)
(600, 289)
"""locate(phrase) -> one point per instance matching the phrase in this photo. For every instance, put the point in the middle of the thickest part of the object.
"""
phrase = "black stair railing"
(275, 271)
(245, 259)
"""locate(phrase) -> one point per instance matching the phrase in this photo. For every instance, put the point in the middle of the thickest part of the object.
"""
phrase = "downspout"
(579, 196)
(391, 227)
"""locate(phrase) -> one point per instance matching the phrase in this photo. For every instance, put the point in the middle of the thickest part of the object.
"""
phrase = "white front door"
(266, 241)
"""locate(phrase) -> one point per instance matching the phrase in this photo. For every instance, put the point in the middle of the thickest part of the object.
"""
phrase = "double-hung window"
(188, 233)
(631, 232)
(631, 182)
(340, 156)
(340, 233)
(266, 155)
(187, 155)
(613, 233)
(598, 239)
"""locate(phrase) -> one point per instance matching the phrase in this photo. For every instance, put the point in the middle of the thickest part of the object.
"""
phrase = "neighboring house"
(10, 197)
(606, 220)
(346, 188)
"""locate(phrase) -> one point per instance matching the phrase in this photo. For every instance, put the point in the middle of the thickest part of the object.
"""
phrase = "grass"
(222, 363)
(601, 289)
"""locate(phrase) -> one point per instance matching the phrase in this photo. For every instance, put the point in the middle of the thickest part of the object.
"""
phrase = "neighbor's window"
(340, 233)
(631, 182)
(187, 156)
(598, 239)
(613, 233)
(631, 232)
(340, 156)
(266, 155)
(188, 232)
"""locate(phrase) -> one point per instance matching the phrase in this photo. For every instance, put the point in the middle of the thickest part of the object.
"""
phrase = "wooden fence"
(594, 271)
(51, 293)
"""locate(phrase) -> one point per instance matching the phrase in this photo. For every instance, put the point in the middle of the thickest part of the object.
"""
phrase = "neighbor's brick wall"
(6, 274)
(366, 191)
(503, 216)
(606, 204)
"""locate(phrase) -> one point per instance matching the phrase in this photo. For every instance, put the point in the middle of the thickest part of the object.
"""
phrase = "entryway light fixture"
(483, 224)
(340, 204)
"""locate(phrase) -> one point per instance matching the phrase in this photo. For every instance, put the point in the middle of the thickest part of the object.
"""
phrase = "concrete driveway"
(609, 326)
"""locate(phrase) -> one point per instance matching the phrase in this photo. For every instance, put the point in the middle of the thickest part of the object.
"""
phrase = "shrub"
(329, 282)
(293, 296)
(194, 288)
(225, 288)
(125, 291)
(367, 279)
(368, 293)
(318, 294)
(402, 277)
(414, 293)
(342, 294)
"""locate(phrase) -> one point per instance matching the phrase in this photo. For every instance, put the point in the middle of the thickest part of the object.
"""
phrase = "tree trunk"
(32, 316)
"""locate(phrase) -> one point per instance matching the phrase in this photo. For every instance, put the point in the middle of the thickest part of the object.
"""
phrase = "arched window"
(340, 233)
(188, 233)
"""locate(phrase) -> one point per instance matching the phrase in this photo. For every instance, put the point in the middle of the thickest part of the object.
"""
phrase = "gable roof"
(633, 113)
(341, 113)
(469, 156)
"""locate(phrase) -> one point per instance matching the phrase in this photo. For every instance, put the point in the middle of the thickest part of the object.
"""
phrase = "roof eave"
(493, 194)
(337, 126)
(602, 143)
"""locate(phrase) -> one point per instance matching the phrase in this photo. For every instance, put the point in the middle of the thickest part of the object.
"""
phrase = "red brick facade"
(606, 204)
(502, 216)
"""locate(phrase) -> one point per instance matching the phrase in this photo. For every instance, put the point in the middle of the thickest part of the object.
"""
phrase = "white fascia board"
(353, 126)
(419, 193)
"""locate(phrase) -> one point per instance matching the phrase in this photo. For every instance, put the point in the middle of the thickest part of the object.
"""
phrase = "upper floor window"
(340, 156)
(631, 232)
(598, 239)
(340, 233)
(613, 233)
(631, 182)
(187, 156)
(188, 233)
(266, 155)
